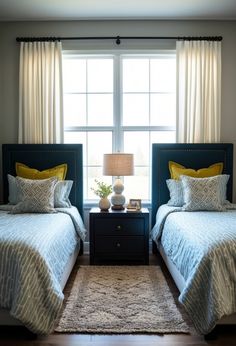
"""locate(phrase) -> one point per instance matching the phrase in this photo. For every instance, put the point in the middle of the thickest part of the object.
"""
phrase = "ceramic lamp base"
(117, 199)
(117, 207)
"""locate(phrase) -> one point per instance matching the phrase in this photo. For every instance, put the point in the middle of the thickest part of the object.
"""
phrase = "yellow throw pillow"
(176, 170)
(24, 171)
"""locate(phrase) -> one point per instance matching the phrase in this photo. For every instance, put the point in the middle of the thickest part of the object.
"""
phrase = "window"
(119, 102)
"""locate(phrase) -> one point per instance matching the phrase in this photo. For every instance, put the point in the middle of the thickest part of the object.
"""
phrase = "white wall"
(9, 57)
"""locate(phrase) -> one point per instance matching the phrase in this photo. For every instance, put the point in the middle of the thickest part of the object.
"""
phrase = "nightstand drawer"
(119, 226)
(114, 245)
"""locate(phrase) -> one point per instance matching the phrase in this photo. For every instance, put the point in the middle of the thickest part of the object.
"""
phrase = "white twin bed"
(39, 250)
(198, 247)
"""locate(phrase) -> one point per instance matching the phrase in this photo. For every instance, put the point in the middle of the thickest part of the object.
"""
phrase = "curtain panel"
(198, 91)
(40, 93)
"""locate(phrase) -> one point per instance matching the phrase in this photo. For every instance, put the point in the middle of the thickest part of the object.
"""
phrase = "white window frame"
(117, 129)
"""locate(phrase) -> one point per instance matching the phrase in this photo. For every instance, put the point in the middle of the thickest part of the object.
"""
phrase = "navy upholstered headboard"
(43, 156)
(189, 155)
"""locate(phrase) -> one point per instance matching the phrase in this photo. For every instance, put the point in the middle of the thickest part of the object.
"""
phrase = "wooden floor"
(225, 336)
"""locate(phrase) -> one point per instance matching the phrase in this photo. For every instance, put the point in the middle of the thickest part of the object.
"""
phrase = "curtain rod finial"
(118, 40)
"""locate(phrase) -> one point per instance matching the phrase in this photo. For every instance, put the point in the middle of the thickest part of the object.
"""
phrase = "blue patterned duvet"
(34, 249)
(202, 245)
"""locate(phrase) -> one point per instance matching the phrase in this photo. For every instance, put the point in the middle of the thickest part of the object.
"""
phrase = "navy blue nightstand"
(119, 237)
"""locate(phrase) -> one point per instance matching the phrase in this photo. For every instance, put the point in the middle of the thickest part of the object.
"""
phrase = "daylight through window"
(119, 102)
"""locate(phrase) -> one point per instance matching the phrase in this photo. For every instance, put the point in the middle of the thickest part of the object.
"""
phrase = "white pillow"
(204, 193)
(13, 197)
(61, 193)
(176, 193)
(36, 196)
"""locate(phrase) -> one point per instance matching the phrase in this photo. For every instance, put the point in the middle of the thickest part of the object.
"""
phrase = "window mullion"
(118, 141)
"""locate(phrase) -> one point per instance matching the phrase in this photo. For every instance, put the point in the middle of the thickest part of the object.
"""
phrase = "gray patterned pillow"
(204, 193)
(176, 193)
(36, 196)
(61, 192)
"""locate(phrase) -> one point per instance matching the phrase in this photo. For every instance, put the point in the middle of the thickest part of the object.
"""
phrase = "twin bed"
(203, 269)
(38, 251)
(198, 247)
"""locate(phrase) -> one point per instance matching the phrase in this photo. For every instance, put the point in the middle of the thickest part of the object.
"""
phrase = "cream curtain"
(198, 91)
(40, 93)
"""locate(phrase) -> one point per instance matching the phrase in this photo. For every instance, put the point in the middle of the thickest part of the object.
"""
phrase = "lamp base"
(117, 207)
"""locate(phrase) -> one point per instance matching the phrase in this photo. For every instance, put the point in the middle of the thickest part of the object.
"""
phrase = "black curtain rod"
(119, 38)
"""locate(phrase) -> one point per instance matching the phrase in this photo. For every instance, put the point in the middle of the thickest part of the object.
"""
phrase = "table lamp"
(118, 165)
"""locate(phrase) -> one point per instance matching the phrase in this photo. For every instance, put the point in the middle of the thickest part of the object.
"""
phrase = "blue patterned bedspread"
(202, 245)
(34, 250)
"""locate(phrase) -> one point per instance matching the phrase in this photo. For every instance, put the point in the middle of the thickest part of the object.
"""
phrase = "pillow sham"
(176, 193)
(61, 192)
(204, 193)
(13, 197)
(176, 170)
(24, 171)
(36, 196)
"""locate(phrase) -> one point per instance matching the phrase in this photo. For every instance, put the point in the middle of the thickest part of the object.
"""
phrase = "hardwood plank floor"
(225, 336)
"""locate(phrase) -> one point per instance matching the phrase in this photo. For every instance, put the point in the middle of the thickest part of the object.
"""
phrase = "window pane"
(163, 110)
(137, 186)
(162, 75)
(74, 137)
(92, 155)
(135, 109)
(137, 142)
(74, 110)
(163, 137)
(100, 75)
(100, 110)
(135, 75)
(74, 75)
(77, 138)
(99, 143)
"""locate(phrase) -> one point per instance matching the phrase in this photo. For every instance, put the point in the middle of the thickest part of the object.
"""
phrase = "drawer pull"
(118, 227)
(118, 245)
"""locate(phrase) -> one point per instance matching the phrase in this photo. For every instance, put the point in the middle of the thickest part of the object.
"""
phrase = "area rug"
(121, 299)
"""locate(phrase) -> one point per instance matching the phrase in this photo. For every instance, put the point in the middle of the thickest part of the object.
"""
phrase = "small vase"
(104, 204)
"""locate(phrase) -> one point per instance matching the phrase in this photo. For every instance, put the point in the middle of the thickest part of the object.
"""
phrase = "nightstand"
(119, 237)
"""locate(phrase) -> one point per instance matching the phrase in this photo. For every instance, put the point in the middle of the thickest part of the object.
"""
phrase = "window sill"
(88, 204)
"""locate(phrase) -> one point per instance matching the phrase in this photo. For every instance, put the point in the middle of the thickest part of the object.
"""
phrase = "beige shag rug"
(121, 299)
